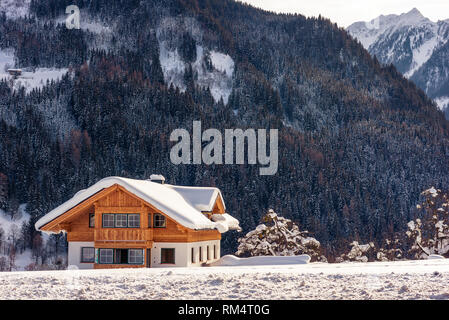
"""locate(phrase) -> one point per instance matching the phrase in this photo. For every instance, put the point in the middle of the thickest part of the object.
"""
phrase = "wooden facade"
(115, 200)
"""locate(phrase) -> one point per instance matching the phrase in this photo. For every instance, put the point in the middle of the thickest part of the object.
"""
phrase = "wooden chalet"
(124, 223)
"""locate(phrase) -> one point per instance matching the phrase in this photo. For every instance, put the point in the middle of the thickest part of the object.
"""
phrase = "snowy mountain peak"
(413, 15)
(412, 18)
(416, 45)
(368, 32)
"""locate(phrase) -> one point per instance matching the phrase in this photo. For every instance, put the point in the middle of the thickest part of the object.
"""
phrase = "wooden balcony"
(123, 235)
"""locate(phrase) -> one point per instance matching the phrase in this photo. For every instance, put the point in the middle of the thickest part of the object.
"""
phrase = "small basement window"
(87, 255)
(168, 256)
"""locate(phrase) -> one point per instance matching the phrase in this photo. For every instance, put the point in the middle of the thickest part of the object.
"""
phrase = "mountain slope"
(357, 141)
(415, 45)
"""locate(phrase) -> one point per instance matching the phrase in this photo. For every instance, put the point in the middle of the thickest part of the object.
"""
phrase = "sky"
(345, 12)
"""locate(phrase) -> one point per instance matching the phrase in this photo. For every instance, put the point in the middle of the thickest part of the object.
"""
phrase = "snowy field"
(29, 79)
(425, 279)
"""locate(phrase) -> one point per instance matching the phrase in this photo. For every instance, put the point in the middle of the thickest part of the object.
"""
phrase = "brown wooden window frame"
(137, 220)
(142, 258)
(156, 221)
(114, 220)
(100, 255)
(120, 220)
(163, 256)
(128, 256)
(82, 260)
(103, 221)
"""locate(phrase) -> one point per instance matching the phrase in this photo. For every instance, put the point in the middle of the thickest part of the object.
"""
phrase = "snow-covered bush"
(358, 253)
(391, 251)
(425, 236)
(430, 235)
(278, 236)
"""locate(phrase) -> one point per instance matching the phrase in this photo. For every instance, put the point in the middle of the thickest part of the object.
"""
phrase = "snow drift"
(231, 260)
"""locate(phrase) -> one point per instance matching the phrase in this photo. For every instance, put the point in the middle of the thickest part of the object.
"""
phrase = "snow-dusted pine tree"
(430, 235)
(278, 236)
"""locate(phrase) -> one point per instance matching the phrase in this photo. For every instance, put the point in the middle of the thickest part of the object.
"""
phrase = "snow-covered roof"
(201, 198)
(179, 203)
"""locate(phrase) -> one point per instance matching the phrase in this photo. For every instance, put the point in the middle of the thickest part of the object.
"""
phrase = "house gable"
(116, 199)
(162, 197)
(61, 222)
(219, 206)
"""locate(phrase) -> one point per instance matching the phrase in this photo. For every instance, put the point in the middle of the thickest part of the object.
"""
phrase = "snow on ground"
(54, 113)
(222, 62)
(218, 79)
(172, 66)
(38, 78)
(231, 260)
(425, 279)
(29, 79)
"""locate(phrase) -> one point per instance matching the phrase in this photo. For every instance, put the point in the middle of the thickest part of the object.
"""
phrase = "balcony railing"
(122, 234)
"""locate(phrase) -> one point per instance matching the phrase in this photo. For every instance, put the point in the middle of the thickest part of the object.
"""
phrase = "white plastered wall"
(74, 254)
(183, 253)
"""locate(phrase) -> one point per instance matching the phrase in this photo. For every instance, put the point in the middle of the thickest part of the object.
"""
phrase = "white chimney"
(158, 178)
